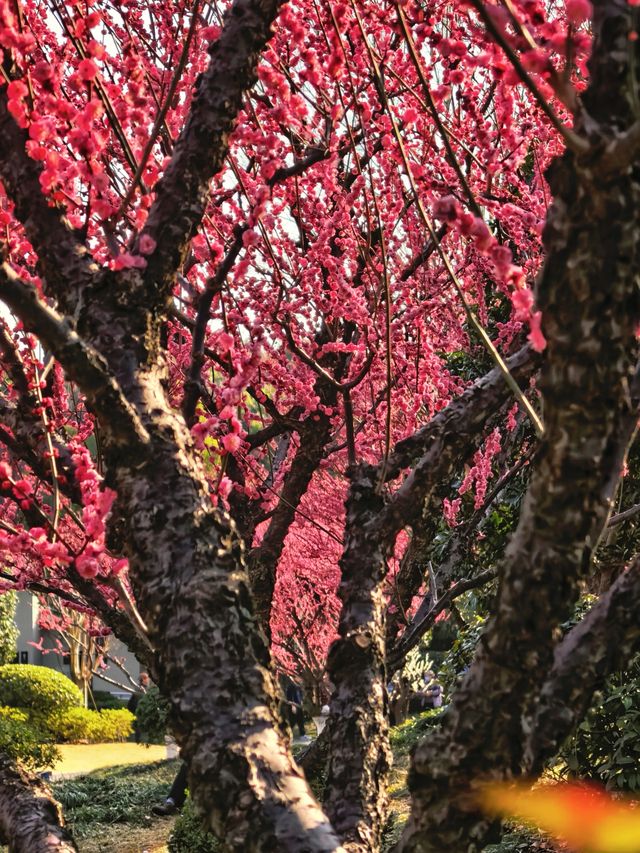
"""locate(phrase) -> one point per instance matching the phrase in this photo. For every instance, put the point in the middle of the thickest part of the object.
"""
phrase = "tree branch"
(424, 619)
(445, 438)
(590, 401)
(65, 263)
(603, 642)
(476, 403)
(82, 364)
(199, 153)
(30, 819)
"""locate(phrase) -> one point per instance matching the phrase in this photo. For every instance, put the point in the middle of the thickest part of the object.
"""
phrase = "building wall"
(27, 610)
(27, 621)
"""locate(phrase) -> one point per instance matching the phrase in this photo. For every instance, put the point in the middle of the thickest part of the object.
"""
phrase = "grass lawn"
(80, 758)
(109, 811)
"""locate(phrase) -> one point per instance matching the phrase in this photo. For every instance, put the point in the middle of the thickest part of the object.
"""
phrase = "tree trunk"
(30, 819)
(588, 294)
(356, 797)
(263, 560)
(186, 563)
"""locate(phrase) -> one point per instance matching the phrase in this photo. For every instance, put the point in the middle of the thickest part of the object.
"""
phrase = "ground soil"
(129, 839)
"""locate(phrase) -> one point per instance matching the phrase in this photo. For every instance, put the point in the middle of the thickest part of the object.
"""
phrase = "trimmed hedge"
(24, 742)
(80, 724)
(103, 699)
(15, 715)
(151, 716)
(40, 689)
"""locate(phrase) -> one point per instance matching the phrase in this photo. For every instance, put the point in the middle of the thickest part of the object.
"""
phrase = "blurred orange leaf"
(582, 816)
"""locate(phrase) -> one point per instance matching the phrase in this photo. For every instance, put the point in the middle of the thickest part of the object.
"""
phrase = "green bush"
(522, 840)
(188, 836)
(605, 747)
(38, 688)
(25, 743)
(460, 656)
(404, 737)
(117, 723)
(105, 700)
(8, 628)
(151, 716)
(80, 724)
(17, 715)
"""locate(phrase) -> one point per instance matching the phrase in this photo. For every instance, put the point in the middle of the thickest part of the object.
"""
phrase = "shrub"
(520, 839)
(188, 836)
(605, 747)
(40, 689)
(8, 628)
(25, 743)
(17, 715)
(117, 723)
(460, 656)
(404, 737)
(81, 724)
(103, 699)
(151, 716)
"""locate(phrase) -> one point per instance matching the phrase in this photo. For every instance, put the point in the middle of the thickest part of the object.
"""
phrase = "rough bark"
(435, 450)
(356, 798)
(443, 444)
(193, 593)
(588, 294)
(186, 563)
(475, 405)
(30, 819)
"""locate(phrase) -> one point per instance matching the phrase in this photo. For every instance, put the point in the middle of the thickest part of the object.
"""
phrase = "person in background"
(433, 690)
(295, 715)
(177, 795)
(399, 698)
(135, 698)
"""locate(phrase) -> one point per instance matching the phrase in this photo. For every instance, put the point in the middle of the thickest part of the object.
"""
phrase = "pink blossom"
(522, 301)
(224, 488)
(22, 488)
(450, 510)
(87, 70)
(578, 10)
(231, 442)
(210, 33)
(87, 566)
(146, 244)
(128, 261)
(536, 338)
(447, 209)
(225, 341)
